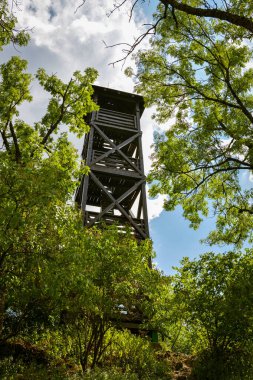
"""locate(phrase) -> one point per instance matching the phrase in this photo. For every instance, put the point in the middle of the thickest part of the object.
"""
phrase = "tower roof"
(120, 96)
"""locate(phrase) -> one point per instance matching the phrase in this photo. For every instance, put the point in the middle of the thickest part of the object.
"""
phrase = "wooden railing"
(115, 118)
(118, 220)
(115, 161)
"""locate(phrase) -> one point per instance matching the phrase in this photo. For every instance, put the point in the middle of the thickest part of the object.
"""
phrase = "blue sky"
(63, 41)
(174, 239)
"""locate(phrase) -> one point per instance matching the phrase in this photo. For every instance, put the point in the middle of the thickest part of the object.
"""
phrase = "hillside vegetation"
(66, 291)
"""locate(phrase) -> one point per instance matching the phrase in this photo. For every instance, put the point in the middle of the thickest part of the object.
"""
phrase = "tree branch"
(15, 141)
(138, 40)
(205, 96)
(5, 141)
(232, 18)
(56, 123)
(246, 112)
(249, 211)
(210, 175)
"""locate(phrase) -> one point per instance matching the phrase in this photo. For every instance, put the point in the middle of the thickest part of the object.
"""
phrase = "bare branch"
(116, 6)
(79, 6)
(151, 30)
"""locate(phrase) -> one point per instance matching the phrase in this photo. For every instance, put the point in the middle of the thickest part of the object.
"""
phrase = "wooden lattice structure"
(114, 191)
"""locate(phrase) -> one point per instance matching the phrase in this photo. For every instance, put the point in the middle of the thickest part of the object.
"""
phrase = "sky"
(65, 38)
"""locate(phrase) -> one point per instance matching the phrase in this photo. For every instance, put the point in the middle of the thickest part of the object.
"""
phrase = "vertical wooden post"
(143, 190)
(88, 161)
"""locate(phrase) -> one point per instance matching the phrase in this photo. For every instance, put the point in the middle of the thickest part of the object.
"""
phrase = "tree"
(38, 171)
(214, 297)
(110, 280)
(38, 166)
(8, 31)
(198, 70)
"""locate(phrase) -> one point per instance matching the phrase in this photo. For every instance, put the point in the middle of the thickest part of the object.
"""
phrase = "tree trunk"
(2, 310)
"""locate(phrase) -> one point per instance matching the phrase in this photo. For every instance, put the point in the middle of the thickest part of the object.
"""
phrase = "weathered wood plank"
(117, 204)
(117, 147)
(117, 172)
(119, 199)
(114, 146)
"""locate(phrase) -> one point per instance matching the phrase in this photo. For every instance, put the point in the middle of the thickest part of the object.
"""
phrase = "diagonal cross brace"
(115, 147)
(120, 199)
(117, 204)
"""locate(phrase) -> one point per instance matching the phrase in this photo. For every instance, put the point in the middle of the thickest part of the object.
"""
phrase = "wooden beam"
(139, 206)
(120, 199)
(114, 146)
(121, 209)
(143, 193)
(88, 160)
(117, 147)
(107, 125)
(117, 172)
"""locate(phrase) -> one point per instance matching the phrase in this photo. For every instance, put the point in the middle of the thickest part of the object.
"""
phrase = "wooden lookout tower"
(114, 190)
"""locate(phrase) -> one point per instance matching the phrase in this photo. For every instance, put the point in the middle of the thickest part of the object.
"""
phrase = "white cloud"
(77, 38)
(155, 206)
(147, 127)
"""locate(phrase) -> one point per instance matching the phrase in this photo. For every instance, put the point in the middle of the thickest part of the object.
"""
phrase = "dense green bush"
(234, 365)
(11, 369)
(136, 355)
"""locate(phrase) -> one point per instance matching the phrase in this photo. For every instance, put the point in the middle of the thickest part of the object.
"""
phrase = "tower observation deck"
(114, 191)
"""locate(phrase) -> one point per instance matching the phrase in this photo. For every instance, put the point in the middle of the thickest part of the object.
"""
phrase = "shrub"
(135, 355)
(227, 365)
